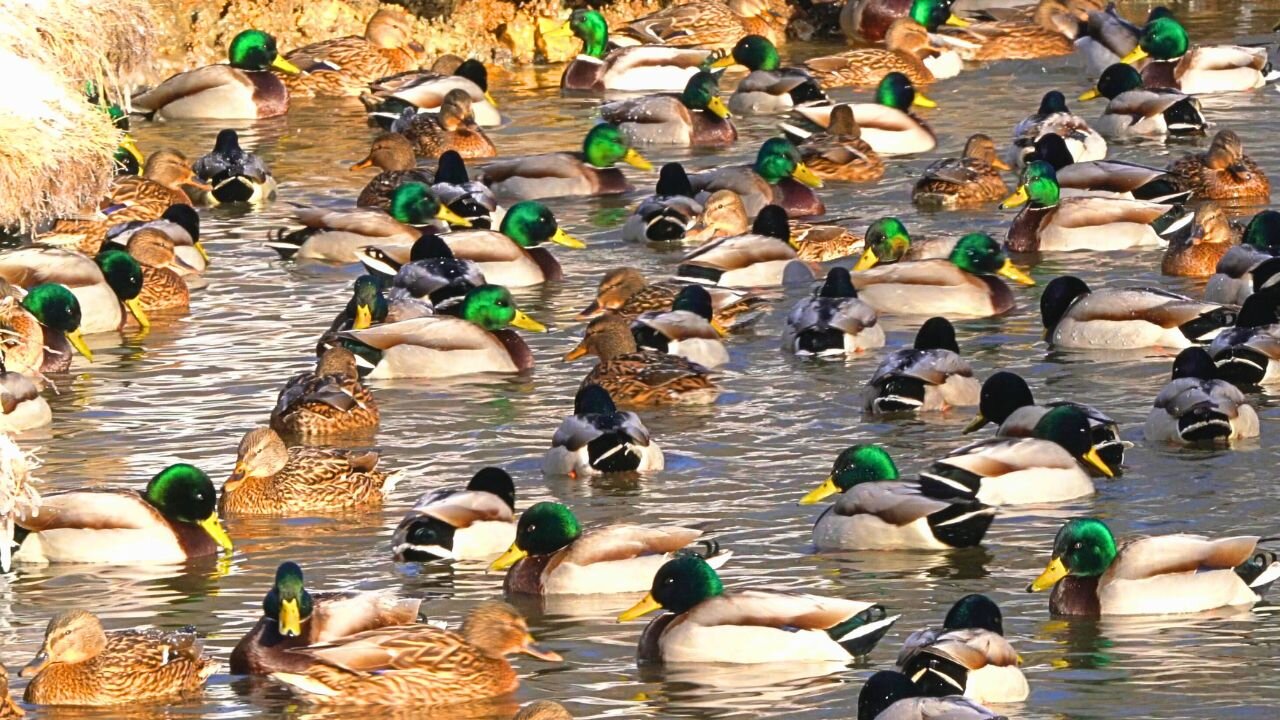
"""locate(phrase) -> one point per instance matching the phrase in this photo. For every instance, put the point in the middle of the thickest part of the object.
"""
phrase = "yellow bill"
(635, 159)
(1009, 270)
(716, 107)
(1093, 458)
(364, 317)
(131, 147)
(724, 61)
(1050, 577)
(921, 101)
(135, 308)
(563, 238)
(822, 492)
(76, 338)
(577, 352)
(867, 261)
(451, 217)
(640, 609)
(524, 322)
(290, 619)
(564, 29)
(199, 246)
(213, 526)
(955, 21)
(999, 164)
(1090, 94)
(1134, 56)
(803, 174)
(720, 329)
(513, 555)
(1019, 197)
(489, 98)
(285, 66)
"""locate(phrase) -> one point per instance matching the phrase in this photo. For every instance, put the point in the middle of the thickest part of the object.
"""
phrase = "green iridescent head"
(778, 158)
(685, 582)
(606, 146)
(1038, 185)
(54, 306)
(702, 92)
(530, 223)
(1084, 547)
(756, 52)
(591, 28)
(930, 13)
(288, 602)
(368, 305)
(1116, 79)
(545, 528)
(896, 91)
(1263, 231)
(1163, 38)
(856, 464)
(493, 308)
(413, 203)
(886, 241)
(255, 51)
(1068, 426)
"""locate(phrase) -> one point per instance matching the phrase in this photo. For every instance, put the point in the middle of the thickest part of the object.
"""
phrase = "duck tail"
(1184, 119)
(1206, 326)
(1177, 218)
(962, 524)
(859, 634)
(389, 482)
(1242, 365)
(1261, 570)
(899, 394)
(288, 244)
(1204, 423)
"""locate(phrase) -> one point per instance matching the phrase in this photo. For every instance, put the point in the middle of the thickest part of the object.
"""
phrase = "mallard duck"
(476, 340)
(929, 376)
(474, 523)
(22, 408)
(393, 154)
(597, 438)
(1048, 33)
(839, 153)
(686, 329)
(636, 378)
(368, 306)
(452, 128)
(778, 177)
(233, 174)
(245, 88)
(174, 519)
(293, 618)
(419, 665)
(968, 655)
(181, 225)
(869, 20)
(875, 512)
(1092, 574)
(1053, 116)
(887, 125)
(887, 241)
(549, 709)
(1134, 111)
(1233, 279)
(1106, 37)
(513, 255)
(44, 327)
(707, 623)
(1048, 467)
(1195, 407)
(1106, 178)
(963, 285)
(162, 184)
(890, 695)
(1076, 317)
(101, 285)
(590, 172)
(1199, 70)
(329, 400)
(345, 66)
(424, 91)
(81, 664)
(762, 257)
(273, 479)
(708, 24)
(1224, 172)
(430, 272)
(697, 116)
(1197, 252)
(768, 88)
(668, 214)
(832, 322)
(823, 243)
(9, 709)
(624, 292)
(1248, 354)
(971, 180)
(471, 199)
(631, 69)
(906, 45)
(163, 289)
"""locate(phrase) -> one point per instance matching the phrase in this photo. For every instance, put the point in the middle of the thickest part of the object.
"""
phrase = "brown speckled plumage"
(623, 292)
(271, 479)
(1197, 252)
(640, 377)
(327, 401)
(387, 48)
(9, 709)
(453, 128)
(967, 181)
(1223, 172)
(840, 153)
(163, 289)
(393, 154)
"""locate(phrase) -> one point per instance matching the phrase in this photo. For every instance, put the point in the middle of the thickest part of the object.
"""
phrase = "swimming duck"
(697, 116)
(512, 256)
(245, 88)
(1106, 178)
(452, 128)
(624, 292)
(419, 665)
(163, 289)
(1106, 37)
(708, 24)
(1053, 116)
(762, 257)
(164, 178)
(424, 91)
(707, 623)
(1248, 354)
(368, 306)
(668, 214)
(1233, 279)
(906, 45)
(876, 512)
(430, 272)
(839, 153)
(234, 174)
(470, 199)
(963, 285)
(9, 709)
(294, 618)
(971, 180)
(329, 400)
(1047, 33)
(473, 523)
(768, 88)
(1224, 172)
(632, 69)
(778, 177)
(1076, 317)
(634, 377)
(887, 241)
(394, 156)
(824, 243)
(1134, 111)
(345, 66)
(101, 285)
(890, 695)
(181, 225)
(590, 172)
(1199, 70)
(1197, 251)
(549, 709)
(81, 664)
(832, 322)
(968, 655)
(22, 408)
(1092, 574)
(43, 328)
(929, 376)
(597, 438)
(686, 329)
(870, 20)
(887, 125)
(1196, 407)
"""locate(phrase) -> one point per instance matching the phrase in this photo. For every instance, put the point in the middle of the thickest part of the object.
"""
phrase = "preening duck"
(833, 321)
(233, 174)
(967, 656)
(633, 69)
(890, 695)
(1241, 268)
(973, 179)
(1075, 317)
(887, 125)
(697, 116)
(1053, 116)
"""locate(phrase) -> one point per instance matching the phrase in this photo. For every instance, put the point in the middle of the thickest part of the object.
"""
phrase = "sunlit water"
(192, 387)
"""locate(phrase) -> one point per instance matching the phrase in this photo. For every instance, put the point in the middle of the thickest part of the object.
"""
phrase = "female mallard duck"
(81, 664)
(9, 709)
(42, 330)
(876, 512)
(1134, 111)
(762, 257)
(890, 695)
(778, 177)
(549, 709)
(969, 655)
(832, 322)
(1076, 317)
(1224, 172)
(394, 156)
(929, 376)
(163, 289)
(706, 623)
(345, 66)
(823, 243)
(293, 618)
(476, 340)
(1199, 70)
(513, 255)
(634, 377)
(552, 555)
(769, 88)
(632, 69)
(839, 153)
(597, 438)
(181, 225)
(590, 172)
(708, 24)
(330, 400)
(887, 241)
(697, 116)
(424, 91)
(234, 174)
(452, 128)
(1233, 279)
(243, 89)
(686, 329)
(625, 293)
(1197, 251)
(887, 125)
(22, 408)
(1048, 33)
(431, 271)
(1248, 354)
(906, 45)
(1047, 467)
(1195, 407)
(165, 175)
(1054, 117)
(667, 215)
(173, 520)
(475, 523)
(963, 285)
(870, 20)
(1092, 575)
(101, 285)
(971, 180)
(272, 479)
(1106, 178)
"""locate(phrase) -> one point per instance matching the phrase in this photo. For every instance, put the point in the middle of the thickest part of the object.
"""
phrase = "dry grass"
(18, 496)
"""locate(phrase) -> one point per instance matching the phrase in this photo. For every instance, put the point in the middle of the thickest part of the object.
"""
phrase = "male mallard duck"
(1091, 574)
(476, 340)
(839, 153)
(832, 322)
(1076, 317)
(469, 198)
(890, 695)
(1197, 252)
(870, 20)
(81, 664)
(1233, 279)
(181, 225)
(173, 520)
(1248, 354)
(1047, 467)
(762, 257)
(329, 400)
(778, 177)
(512, 256)
(431, 271)
(686, 329)
(707, 624)
(887, 125)
(42, 330)
(22, 408)
(245, 88)
(632, 69)
(1199, 70)
(452, 128)
(1107, 36)
(906, 46)
(234, 174)
(1196, 407)
(769, 88)
(294, 618)
(419, 665)
(711, 24)
(971, 180)
(597, 438)
(929, 376)
(101, 285)
(875, 512)
(345, 66)
(1223, 172)
(1053, 116)
(424, 91)
(590, 172)
(968, 655)
(272, 479)
(668, 214)
(1134, 111)
(163, 288)
(963, 285)
(697, 116)
(394, 155)
(368, 306)
(1106, 178)
(1047, 33)
(634, 377)
(624, 292)
(552, 555)
(887, 241)
(474, 523)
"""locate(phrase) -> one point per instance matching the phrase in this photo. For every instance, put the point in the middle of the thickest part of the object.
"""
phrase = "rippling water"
(193, 386)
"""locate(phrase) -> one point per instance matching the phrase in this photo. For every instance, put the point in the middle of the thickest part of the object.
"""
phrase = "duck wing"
(1147, 557)
(192, 82)
(623, 542)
